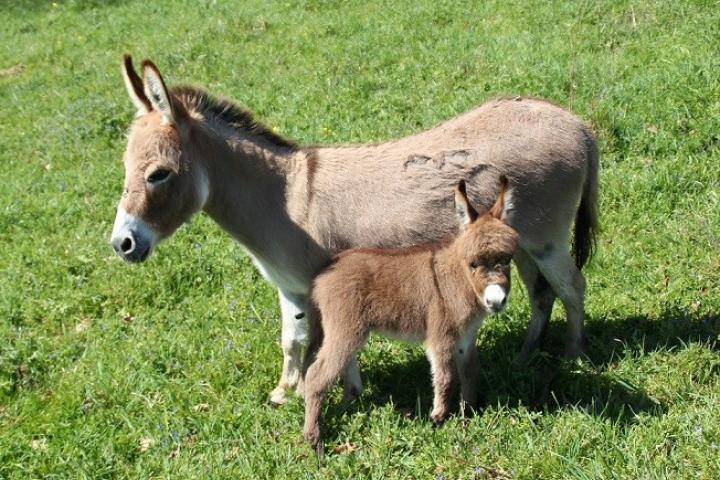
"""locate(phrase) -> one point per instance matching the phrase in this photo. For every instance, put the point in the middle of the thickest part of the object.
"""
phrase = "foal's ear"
(157, 93)
(134, 86)
(498, 209)
(466, 214)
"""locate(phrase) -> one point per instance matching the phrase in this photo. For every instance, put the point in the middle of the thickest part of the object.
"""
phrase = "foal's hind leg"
(558, 268)
(333, 357)
(541, 297)
(315, 340)
(352, 383)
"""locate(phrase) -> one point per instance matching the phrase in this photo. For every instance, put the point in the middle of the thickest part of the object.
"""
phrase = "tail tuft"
(586, 220)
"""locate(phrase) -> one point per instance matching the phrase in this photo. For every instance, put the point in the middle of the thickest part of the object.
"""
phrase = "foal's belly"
(408, 337)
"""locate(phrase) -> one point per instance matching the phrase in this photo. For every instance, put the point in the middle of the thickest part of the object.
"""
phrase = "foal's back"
(390, 290)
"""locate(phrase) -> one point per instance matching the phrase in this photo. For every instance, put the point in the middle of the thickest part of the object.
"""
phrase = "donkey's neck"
(248, 188)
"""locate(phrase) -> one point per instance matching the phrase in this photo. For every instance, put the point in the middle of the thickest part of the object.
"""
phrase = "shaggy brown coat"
(434, 294)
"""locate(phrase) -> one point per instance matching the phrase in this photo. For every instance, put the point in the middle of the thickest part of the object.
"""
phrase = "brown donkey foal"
(436, 293)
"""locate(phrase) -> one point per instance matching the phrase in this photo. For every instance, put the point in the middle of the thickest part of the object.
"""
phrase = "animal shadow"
(547, 383)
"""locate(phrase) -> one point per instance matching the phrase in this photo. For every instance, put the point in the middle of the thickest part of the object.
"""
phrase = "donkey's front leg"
(294, 332)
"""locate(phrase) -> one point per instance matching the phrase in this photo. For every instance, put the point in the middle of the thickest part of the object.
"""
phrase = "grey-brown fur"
(293, 207)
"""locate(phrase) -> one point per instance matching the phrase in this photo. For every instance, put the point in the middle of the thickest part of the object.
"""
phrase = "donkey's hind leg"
(558, 268)
(541, 297)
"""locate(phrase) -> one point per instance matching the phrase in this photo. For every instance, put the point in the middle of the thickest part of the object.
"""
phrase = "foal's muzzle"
(495, 298)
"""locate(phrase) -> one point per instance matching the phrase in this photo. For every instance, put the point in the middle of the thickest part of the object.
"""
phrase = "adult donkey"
(293, 207)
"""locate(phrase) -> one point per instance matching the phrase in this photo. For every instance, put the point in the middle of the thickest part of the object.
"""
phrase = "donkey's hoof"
(575, 349)
(278, 396)
(469, 410)
(528, 353)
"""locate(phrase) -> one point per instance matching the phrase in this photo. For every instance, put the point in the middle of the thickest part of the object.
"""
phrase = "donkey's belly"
(285, 281)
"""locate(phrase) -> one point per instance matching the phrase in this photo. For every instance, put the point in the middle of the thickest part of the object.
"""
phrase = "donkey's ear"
(157, 93)
(466, 214)
(134, 86)
(498, 209)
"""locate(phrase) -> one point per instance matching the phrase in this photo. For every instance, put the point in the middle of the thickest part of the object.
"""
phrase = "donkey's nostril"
(127, 245)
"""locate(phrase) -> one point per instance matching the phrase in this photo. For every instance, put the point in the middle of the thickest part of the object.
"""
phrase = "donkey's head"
(485, 247)
(163, 185)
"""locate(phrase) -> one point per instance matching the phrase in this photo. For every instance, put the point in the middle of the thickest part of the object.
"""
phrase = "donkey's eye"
(158, 175)
(474, 266)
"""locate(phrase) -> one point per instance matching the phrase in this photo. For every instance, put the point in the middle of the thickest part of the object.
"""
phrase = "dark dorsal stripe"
(228, 112)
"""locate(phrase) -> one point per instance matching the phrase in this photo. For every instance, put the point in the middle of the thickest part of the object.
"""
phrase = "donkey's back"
(548, 154)
(391, 195)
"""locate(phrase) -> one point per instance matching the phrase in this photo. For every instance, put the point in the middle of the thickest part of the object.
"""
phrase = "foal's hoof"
(312, 436)
(348, 399)
(438, 419)
(278, 396)
(320, 450)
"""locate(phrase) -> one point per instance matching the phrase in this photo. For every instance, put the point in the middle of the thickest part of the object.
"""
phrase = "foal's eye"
(503, 262)
(474, 266)
(158, 176)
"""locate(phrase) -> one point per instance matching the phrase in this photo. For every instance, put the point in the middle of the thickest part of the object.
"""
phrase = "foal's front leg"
(294, 332)
(443, 373)
(466, 360)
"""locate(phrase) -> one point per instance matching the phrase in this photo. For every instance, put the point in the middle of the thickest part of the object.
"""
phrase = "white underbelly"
(403, 337)
(285, 281)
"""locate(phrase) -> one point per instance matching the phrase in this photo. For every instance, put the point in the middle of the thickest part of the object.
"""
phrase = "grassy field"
(162, 370)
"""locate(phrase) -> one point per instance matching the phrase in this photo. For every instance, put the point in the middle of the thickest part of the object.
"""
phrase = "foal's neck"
(453, 285)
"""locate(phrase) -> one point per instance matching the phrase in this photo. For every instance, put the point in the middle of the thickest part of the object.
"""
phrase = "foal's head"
(163, 185)
(485, 247)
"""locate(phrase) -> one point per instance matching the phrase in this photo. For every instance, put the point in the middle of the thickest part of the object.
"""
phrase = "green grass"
(103, 365)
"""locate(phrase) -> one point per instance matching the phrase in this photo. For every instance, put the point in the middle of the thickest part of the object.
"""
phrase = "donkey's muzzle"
(130, 249)
(131, 237)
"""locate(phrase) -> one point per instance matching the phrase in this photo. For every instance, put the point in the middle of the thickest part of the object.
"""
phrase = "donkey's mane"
(228, 112)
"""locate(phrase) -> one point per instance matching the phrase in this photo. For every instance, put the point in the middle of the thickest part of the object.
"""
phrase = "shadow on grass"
(547, 383)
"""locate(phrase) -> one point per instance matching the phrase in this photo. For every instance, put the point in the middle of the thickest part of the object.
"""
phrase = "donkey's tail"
(586, 219)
